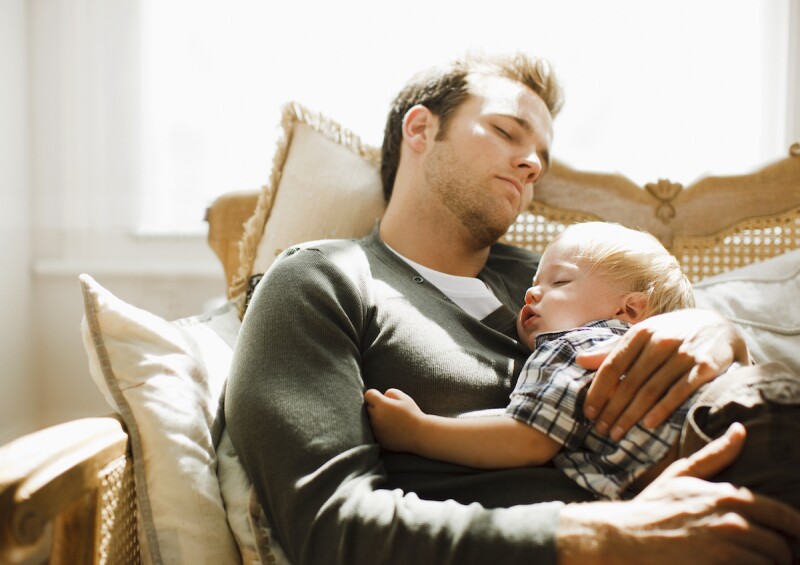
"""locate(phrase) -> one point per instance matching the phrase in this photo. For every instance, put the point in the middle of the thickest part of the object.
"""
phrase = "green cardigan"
(328, 321)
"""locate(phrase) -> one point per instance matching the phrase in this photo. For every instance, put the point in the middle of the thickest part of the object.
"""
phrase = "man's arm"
(664, 360)
(494, 442)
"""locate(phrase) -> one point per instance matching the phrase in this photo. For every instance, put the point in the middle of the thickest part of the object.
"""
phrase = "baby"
(594, 280)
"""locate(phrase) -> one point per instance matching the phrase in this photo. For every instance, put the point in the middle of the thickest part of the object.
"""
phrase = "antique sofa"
(158, 482)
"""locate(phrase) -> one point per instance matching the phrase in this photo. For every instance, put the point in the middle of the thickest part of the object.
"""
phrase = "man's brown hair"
(443, 89)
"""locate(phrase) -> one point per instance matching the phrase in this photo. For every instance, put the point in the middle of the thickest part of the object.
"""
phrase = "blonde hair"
(634, 259)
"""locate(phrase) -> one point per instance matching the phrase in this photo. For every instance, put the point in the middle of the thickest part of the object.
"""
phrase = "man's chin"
(487, 233)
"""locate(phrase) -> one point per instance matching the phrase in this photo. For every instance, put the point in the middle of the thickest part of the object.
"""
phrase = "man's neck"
(438, 245)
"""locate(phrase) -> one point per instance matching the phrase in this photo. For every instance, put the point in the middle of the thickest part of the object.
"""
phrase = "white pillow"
(165, 379)
(763, 299)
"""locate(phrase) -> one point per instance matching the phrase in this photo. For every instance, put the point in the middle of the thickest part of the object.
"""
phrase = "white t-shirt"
(471, 294)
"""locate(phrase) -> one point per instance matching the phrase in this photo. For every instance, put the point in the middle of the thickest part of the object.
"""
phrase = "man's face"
(495, 146)
(566, 294)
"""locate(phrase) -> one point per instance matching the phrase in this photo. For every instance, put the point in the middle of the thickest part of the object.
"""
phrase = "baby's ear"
(633, 308)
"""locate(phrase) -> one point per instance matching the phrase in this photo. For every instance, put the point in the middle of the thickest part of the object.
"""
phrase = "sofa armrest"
(226, 218)
(65, 475)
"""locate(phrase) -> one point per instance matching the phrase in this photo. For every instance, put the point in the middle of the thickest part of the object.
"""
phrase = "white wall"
(793, 89)
(83, 108)
(69, 120)
(18, 399)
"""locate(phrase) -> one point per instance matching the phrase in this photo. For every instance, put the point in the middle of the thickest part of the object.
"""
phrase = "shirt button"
(418, 279)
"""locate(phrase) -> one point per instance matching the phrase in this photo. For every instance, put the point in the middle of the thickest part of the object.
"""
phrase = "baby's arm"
(493, 442)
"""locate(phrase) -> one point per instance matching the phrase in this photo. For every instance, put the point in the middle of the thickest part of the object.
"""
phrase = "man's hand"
(682, 518)
(656, 366)
(395, 419)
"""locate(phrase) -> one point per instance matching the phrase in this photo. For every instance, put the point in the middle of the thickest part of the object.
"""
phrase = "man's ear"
(632, 308)
(419, 127)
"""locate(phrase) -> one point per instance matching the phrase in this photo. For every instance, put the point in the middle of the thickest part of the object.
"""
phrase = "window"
(674, 88)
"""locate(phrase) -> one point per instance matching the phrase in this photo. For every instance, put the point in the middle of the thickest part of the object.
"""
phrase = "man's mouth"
(513, 182)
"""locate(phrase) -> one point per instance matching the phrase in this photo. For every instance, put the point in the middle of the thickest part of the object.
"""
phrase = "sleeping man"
(462, 149)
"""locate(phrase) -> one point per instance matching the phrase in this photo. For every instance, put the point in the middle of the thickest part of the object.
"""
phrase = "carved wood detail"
(665, 192)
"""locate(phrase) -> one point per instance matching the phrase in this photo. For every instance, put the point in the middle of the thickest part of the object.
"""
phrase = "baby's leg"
(766, 400)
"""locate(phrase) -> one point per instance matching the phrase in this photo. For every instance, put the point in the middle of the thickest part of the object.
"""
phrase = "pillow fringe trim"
(293, 113)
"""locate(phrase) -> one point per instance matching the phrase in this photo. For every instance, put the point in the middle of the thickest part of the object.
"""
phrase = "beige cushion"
(325, 184)
(763, 299)
(165, 380)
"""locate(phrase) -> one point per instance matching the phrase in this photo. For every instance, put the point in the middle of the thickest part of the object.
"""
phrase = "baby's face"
(566, 294)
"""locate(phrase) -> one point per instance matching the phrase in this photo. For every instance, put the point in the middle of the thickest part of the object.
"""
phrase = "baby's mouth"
(529, 316)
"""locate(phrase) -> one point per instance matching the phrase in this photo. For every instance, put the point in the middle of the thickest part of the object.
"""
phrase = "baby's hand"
(396, 419)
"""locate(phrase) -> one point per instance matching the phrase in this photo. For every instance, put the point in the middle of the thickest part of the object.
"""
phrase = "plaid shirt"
(549, 396)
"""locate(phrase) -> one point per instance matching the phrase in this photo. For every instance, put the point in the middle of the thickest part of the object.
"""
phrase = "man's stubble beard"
(464, 196)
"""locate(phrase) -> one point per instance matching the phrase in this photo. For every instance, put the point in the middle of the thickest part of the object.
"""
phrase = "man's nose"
(531, 164)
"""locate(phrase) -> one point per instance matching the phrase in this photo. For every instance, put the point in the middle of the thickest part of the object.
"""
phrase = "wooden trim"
(51, 473)
(226, 218)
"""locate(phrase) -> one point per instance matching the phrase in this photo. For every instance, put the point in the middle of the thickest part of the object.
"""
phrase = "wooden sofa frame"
(70, 487)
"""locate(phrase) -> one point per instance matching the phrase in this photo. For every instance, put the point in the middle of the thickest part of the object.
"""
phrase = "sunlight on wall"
(674, 89)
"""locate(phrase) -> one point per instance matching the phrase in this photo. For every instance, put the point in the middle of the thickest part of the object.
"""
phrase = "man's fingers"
(592, 358)
(641, 381)
(761, 545)
(761, 525)
(678, 393)
(775, 515)
(606, 380)
(652, 400)
(638, 395)
(712, 458)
